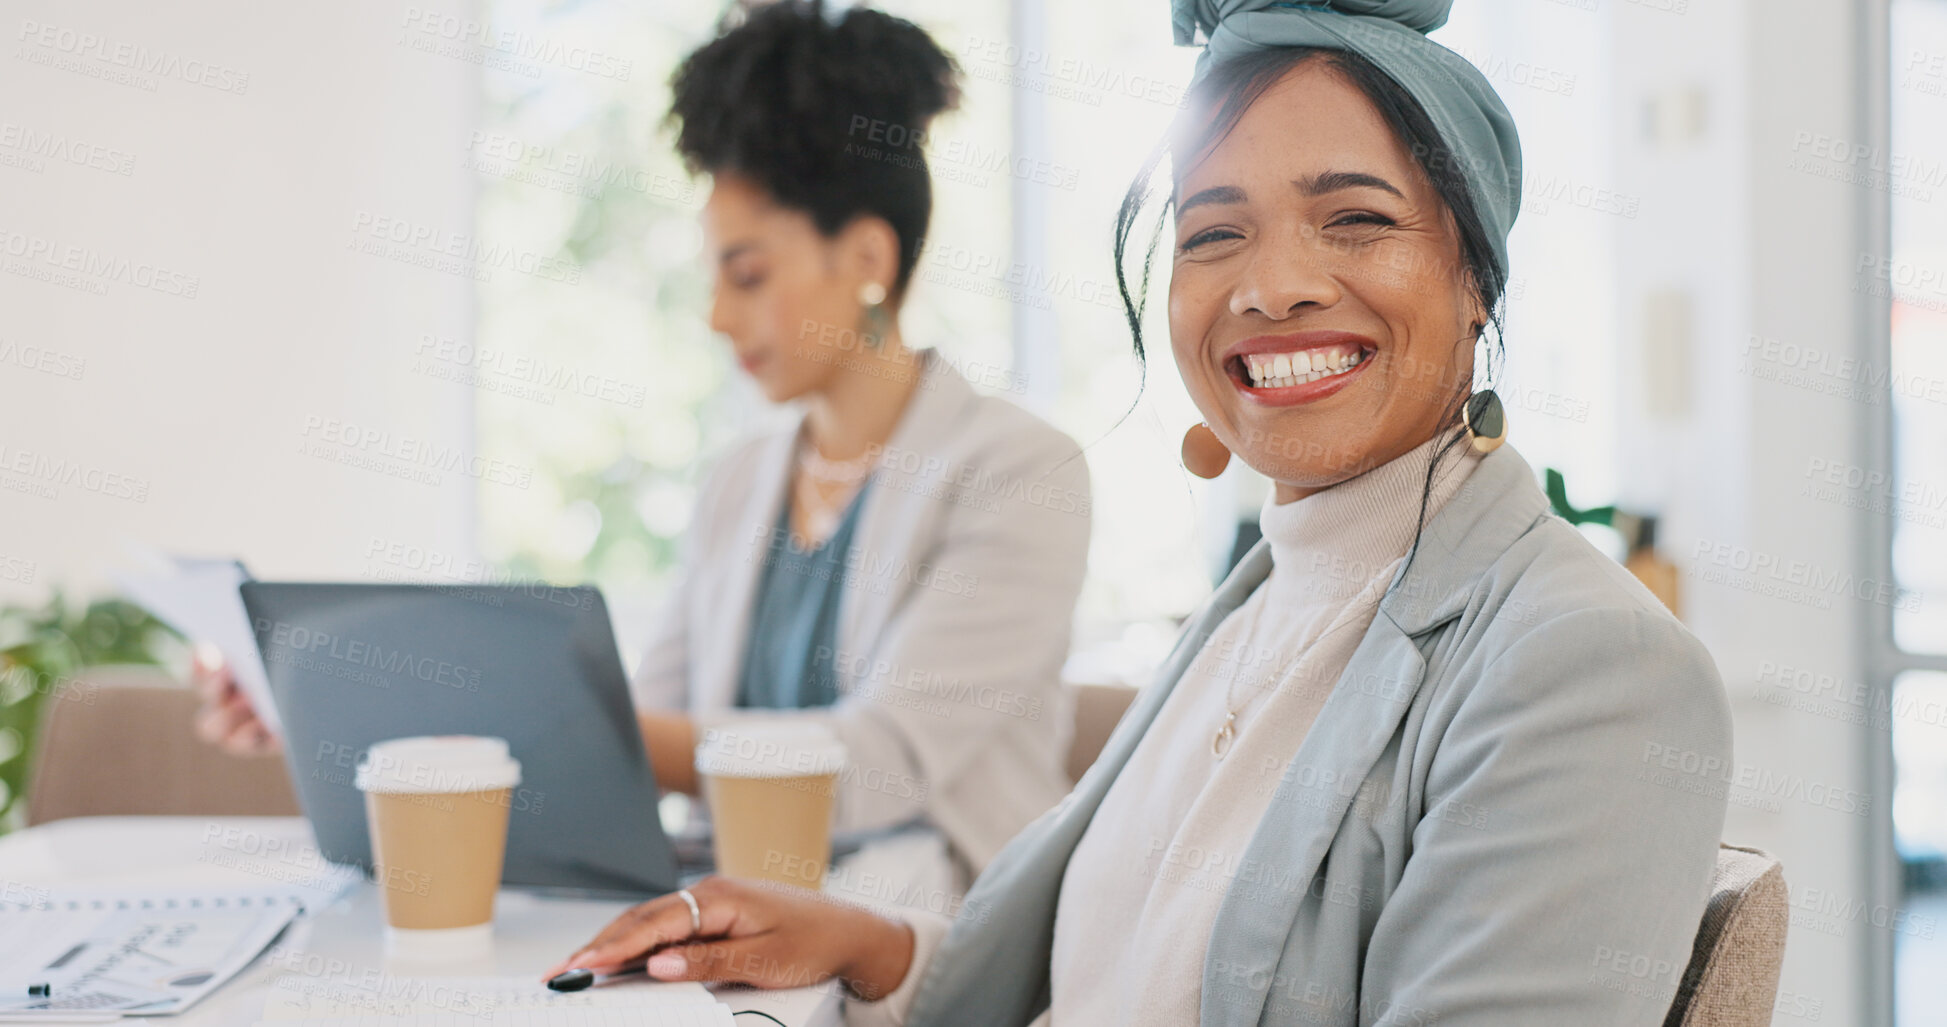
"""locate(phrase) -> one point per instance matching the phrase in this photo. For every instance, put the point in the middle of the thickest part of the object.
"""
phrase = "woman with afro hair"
(901, 564)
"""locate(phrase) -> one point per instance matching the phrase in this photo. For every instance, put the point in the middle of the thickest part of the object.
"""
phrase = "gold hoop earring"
(1204, 454)
(1486, 421)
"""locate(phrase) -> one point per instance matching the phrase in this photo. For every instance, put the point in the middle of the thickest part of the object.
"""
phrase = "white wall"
(1759, 248)
(182, 418)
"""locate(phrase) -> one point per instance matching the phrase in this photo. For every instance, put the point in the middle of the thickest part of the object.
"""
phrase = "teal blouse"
(789, 652)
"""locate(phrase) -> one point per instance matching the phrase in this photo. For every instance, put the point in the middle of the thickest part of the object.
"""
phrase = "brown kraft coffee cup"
(771, 788)
(437, 810)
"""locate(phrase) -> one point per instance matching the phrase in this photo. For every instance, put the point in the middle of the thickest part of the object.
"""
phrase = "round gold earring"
(1204, 454)
(1486, 421)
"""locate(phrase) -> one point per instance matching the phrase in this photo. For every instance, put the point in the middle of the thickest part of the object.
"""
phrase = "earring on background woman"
(1204, 454)
(874, 322)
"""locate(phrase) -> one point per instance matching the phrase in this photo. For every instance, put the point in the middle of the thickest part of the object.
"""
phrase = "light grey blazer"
(961, 584)
(1505, 814)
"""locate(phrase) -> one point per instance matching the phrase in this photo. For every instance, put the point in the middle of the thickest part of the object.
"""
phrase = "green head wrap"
(1469, 115)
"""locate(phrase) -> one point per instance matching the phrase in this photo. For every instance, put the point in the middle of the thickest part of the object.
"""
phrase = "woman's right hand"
(225, 719)
(757, 933)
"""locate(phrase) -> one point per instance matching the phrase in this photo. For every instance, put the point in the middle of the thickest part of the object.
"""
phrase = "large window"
(1911, 279)
(603, 377)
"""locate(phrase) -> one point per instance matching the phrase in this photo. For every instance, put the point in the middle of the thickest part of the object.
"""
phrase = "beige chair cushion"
(121, 740)
(1732, 980)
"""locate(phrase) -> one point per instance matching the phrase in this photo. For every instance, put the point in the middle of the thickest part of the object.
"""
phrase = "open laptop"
(354, 664)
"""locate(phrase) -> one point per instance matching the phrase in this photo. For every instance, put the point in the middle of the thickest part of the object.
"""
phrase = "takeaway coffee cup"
(437, 809)
(770, 789)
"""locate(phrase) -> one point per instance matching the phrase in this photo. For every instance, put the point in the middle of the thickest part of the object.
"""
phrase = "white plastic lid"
(770, 749)
(431, 764)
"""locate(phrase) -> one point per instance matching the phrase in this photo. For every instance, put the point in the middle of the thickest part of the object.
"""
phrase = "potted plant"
(42, 648)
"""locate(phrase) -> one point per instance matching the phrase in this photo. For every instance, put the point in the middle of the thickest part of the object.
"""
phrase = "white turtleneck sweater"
(1142, 890)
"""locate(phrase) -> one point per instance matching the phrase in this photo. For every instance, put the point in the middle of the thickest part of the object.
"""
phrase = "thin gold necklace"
(1228, 730)
(1221, 742)
(825, 488)
(835, 472)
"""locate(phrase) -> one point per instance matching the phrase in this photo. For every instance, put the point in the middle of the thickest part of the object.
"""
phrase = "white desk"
(530, 932)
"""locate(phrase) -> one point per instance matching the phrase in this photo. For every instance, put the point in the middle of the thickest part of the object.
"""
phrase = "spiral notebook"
(104, 954)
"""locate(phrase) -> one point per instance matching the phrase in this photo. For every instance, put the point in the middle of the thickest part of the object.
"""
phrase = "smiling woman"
(1382, 201)
(1397, 769)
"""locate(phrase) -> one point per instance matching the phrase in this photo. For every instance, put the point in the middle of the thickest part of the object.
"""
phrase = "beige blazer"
(961, 586)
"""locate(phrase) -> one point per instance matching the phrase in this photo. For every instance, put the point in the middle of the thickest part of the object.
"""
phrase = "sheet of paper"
(301, 997)
(133, 955)
(679, 1014)
(199, 598)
